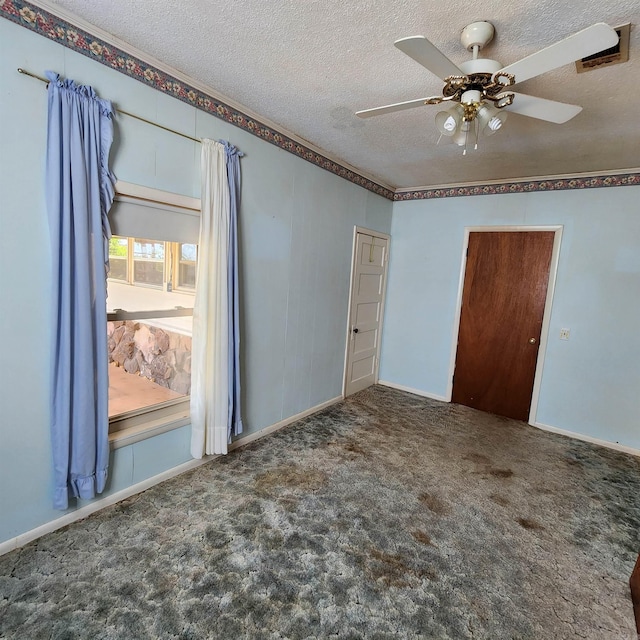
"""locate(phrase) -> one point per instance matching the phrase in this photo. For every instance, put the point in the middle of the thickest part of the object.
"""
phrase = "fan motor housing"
(480, 65)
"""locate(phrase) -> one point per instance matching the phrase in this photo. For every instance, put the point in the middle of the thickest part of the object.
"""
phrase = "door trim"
(546, 318)
(375, 234)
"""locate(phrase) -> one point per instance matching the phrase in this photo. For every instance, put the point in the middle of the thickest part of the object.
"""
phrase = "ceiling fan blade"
(549, 110)
(593, 39)
(390, 108)
(428, 55)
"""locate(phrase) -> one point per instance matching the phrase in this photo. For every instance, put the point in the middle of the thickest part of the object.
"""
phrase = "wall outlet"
(564, 334)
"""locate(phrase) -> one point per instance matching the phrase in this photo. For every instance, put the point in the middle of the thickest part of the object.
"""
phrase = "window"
(163, 265)
(150, 293)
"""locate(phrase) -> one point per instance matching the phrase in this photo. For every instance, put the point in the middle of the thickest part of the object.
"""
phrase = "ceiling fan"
(479, 89)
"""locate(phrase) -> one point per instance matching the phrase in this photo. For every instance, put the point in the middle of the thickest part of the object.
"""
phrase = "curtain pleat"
(79, 192)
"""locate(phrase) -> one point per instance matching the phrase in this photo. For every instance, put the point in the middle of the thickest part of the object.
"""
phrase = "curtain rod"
(125, 113)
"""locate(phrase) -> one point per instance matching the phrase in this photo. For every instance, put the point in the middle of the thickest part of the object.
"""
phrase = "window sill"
(134, 427)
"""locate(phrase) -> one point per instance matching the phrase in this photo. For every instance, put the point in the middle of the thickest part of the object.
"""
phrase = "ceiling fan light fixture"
(490, 119)
(448, 122)
(461, 135)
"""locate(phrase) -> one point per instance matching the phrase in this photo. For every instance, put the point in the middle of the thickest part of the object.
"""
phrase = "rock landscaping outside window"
(162, 356)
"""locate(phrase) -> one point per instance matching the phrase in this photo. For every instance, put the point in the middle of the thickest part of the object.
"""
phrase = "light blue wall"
(296, 229)
(591, 383)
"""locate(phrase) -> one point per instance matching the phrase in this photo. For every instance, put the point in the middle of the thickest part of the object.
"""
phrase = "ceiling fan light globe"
(448, 122)
(490, 119)
(460, 136)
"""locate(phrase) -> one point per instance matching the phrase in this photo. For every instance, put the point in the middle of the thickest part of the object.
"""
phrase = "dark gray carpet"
(385, 516)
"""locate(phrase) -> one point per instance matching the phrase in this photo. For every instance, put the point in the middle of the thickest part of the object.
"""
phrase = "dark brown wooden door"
(505, 288)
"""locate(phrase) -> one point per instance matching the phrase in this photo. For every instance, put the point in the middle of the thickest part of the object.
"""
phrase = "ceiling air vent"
(615, 55)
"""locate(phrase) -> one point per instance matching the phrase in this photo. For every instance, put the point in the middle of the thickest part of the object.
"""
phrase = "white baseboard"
(96, 505)
(545, 427)
(415, 392)
(101, 503)
(580, 436)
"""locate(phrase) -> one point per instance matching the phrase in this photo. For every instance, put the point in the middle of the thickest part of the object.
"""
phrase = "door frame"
(377, 234)
(546, 318)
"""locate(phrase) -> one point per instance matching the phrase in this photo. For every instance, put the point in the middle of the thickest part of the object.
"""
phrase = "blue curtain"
(79, 191)
(234, 425)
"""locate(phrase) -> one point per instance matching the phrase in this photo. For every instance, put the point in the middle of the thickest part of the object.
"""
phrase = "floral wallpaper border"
(66, 34)
(58, 30)
(524, 186)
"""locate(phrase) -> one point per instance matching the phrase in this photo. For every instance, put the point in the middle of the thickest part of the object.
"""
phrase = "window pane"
(118, 264)
(118, 247)
(188, 255)
(148, 262)
(118, 268)
(188, 275)
(148, 249)
(189, 252)
(148, 272)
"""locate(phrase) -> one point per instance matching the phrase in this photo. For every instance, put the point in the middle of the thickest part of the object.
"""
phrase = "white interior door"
(369, 274)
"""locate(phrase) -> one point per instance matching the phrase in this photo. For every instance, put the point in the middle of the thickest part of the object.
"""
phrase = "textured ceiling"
(308, 65)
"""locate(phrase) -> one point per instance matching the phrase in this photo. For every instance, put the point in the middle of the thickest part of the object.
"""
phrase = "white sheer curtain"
(209, 358)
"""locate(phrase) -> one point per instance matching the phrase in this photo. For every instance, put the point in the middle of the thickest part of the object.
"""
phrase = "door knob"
(355, 330)
(532, 340)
